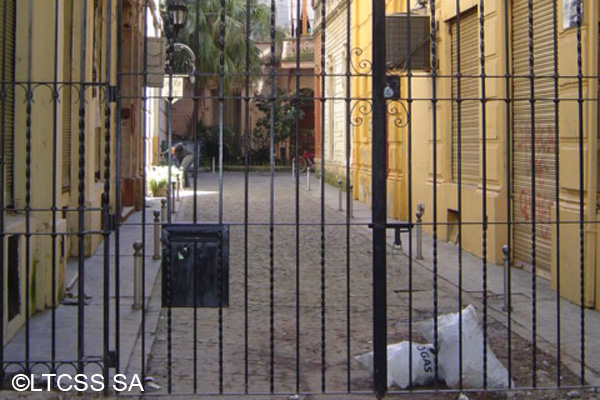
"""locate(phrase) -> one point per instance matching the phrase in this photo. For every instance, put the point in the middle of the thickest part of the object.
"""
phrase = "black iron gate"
(164, 216)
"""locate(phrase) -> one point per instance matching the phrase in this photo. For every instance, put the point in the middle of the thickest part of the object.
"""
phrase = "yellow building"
(334, 87)
(57, 67)
(519, 166)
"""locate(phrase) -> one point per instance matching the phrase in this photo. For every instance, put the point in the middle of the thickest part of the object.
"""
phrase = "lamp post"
(176, 15)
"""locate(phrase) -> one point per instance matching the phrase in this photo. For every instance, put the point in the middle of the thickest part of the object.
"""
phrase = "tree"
(202, 33)
(286, 111)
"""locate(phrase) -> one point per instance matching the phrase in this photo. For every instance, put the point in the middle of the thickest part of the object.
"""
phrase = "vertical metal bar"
(221, 104)
(3, 97)
(246, 191)
(55, 94)
(29, 101)
(557, 191)
(117, 219)
(295, 168)
(197, 149)
(81, 208)
(348, 135)
(379, 206)
(581, 187)
(533, 196)
(170, 205)
(484, 183)
(106, 195)
(434, 102)
(459, 101)
(509, 187)
(197, 94)
(322, 204)
(271, 207)
(409, 101)
(144, 78)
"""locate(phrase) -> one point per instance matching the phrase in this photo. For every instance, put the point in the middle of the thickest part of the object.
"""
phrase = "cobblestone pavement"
(320, 310)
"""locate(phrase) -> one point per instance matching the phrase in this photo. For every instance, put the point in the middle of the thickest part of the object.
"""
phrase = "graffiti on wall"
(544, 174)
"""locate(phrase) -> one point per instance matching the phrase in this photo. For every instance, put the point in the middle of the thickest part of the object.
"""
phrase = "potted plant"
(158, 177)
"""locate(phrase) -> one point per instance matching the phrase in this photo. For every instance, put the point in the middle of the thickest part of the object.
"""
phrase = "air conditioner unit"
(397, 41)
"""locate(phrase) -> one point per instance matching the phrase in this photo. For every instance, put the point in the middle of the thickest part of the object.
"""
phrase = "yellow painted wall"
(496, 131)
(361, 117)
(40, 68)
(569, 128)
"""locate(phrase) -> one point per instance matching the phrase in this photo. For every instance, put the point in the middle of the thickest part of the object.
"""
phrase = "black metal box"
(195, 265)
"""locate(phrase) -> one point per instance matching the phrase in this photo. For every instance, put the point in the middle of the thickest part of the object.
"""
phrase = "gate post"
(379, 202)
(163, 210)
(341, 195)
(137, 275)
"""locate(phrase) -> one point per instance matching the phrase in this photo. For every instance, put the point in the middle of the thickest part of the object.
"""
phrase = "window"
(7, 74)
(397, 44)
(465, 124)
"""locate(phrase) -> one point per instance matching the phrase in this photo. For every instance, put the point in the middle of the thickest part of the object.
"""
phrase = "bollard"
(420, 212)
(156, 235)
(213, 165)
(341, 195)
(294, 169)
(173, 211)
(163, 210)
(178, 187)
(506, 258)
(351, 194)
(137, 275)
(308, 179)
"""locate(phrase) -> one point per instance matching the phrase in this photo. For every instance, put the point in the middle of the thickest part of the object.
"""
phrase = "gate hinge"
(112, 359)
(112, 94)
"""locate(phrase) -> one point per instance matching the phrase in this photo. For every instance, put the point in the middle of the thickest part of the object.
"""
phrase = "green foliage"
(286, 112)
(209, 135)
(202, 33)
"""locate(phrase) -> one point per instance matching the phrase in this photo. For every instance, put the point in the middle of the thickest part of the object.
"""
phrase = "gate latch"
(398, 228)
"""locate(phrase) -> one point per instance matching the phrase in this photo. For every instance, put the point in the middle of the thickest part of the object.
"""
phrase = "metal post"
(351, 194)
(179, 186)
(213, 165)
(379, 200)
(506, 258)
(163, 210)
(137, 275)
(340, 196)
(308, 179)
(157, 235)
(173, 210)
(420, 212)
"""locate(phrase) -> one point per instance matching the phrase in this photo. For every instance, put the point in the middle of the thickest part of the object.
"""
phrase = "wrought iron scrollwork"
(363, 67)
(362, 107)
(397, 111)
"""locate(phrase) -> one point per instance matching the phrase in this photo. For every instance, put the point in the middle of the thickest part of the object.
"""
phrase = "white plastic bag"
(422, 364)
(472, 352)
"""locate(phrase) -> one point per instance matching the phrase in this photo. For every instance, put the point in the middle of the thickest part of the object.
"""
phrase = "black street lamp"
(177, 14)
